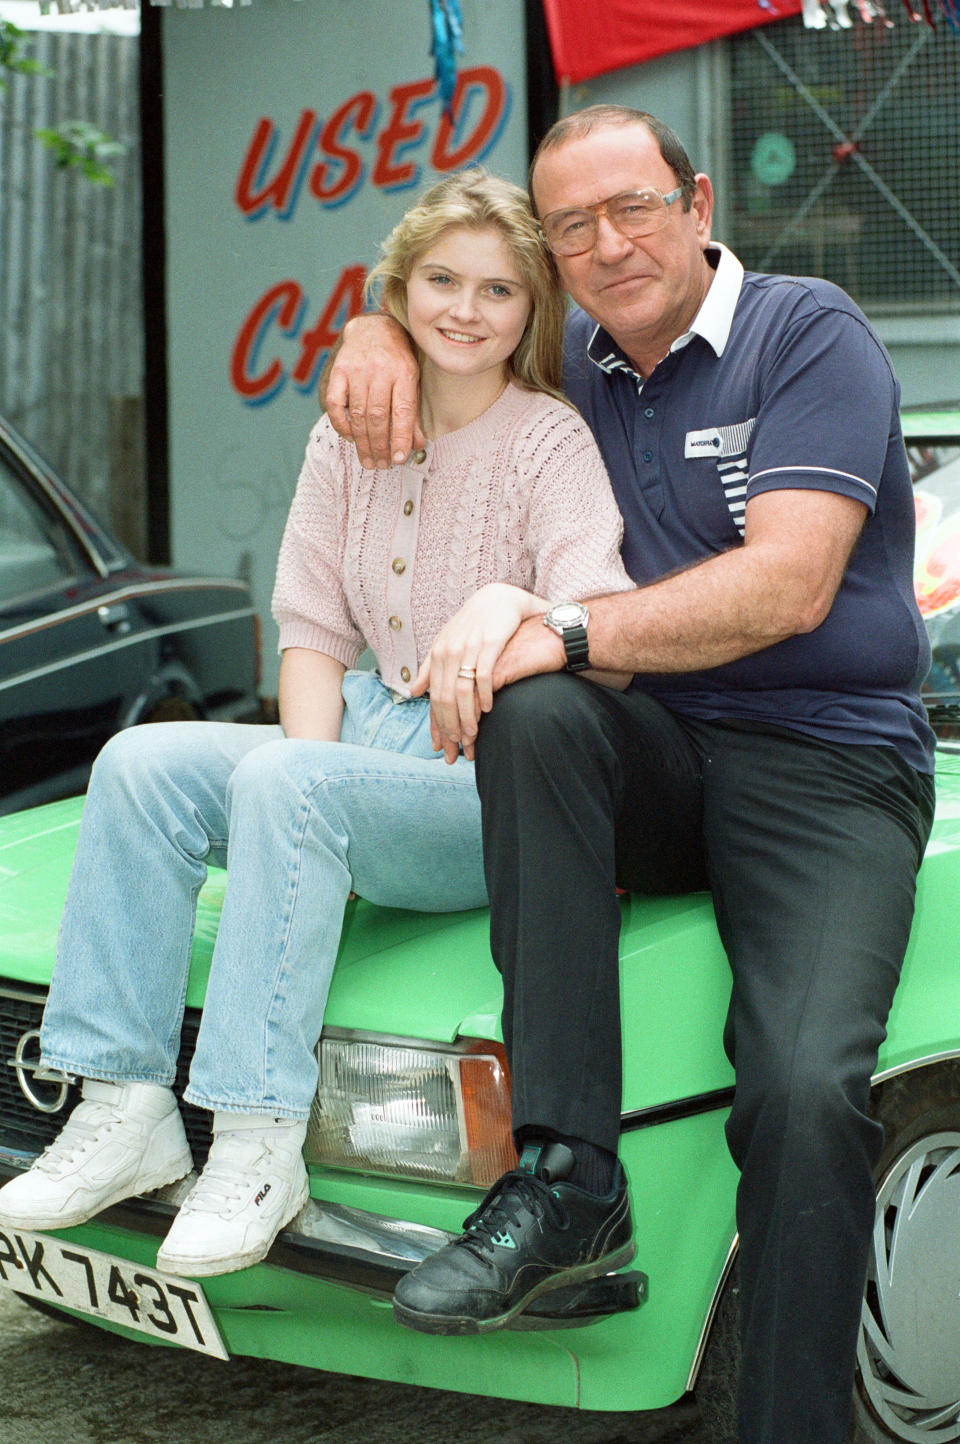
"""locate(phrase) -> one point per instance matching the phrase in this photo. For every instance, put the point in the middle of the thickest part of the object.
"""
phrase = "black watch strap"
(575, 646)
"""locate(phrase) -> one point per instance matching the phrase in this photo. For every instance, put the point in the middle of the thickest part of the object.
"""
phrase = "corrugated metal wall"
(71, 320)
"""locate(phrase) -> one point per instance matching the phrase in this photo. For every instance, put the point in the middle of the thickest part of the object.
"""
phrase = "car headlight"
(420, 1110)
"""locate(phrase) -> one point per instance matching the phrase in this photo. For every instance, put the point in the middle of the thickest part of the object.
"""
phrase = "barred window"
(846, 160)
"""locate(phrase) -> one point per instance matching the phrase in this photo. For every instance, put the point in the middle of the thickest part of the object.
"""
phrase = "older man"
(772, 747)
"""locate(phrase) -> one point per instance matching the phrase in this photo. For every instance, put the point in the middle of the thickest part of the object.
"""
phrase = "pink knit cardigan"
(386, 557)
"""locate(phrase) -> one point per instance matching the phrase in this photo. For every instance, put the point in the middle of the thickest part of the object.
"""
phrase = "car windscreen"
(37, 551)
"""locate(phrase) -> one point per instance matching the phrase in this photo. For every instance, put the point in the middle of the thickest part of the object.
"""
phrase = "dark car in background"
(92, 640)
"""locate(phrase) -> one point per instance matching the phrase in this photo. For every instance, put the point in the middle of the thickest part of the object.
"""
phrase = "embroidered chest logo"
(728, 445)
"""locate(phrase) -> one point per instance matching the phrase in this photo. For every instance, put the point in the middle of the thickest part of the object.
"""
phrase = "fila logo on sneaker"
(503, 1240)
(262, 1194)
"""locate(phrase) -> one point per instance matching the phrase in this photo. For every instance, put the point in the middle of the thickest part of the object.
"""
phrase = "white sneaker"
(254, 1182)
(120, 1140)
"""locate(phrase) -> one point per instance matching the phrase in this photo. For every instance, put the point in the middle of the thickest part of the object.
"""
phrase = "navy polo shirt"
(780, 384)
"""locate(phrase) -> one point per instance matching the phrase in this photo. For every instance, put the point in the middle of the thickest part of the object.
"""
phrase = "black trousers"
(811, 851)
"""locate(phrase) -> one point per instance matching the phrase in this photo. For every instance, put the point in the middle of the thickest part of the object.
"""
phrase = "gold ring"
(468, 672)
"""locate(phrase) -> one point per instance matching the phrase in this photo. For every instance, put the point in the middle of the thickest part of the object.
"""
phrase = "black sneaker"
(533, 1232)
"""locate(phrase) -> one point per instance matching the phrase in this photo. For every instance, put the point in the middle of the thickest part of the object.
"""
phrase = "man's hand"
(372, 395)
(471, 641)
(532, 649)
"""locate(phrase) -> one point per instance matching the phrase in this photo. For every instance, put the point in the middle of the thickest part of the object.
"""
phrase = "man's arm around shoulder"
(372, 391)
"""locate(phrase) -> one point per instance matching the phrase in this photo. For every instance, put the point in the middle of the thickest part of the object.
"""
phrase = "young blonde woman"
(432, 564)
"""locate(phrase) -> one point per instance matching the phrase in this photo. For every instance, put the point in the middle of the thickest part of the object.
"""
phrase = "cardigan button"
(420, 456)
(396, 623)
(399, 566)
(405, 673)
(407, 508)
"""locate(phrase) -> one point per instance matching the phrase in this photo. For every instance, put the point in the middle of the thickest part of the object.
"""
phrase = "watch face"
(565, 614)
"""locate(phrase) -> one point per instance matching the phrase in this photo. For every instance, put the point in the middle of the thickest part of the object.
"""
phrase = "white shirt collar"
(712, 321)
(715, 317)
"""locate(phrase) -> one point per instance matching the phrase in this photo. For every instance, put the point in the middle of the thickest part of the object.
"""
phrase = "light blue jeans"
(298, 826)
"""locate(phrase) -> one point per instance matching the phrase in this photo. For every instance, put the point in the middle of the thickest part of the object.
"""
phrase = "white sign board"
(296, 133)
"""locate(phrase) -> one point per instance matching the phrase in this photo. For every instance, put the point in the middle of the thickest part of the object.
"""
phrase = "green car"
(411, 1125)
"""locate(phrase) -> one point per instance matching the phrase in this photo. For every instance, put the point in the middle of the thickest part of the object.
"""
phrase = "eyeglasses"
(634, 213)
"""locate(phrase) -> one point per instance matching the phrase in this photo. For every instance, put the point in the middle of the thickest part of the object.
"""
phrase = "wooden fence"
(71, 314)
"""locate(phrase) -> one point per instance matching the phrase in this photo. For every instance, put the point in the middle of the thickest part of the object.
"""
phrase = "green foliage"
(83, 146)
(12, 40)
(75, 144)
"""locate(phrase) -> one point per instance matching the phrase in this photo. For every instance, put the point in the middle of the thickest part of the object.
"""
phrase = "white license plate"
(106, 1287)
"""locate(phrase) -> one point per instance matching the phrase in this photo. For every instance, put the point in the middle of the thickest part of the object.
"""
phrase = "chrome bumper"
(370, 1253)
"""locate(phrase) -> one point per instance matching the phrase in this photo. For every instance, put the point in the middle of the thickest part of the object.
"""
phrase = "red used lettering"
(477, 78)
(252, 194)
(359, 112)
(401, 131)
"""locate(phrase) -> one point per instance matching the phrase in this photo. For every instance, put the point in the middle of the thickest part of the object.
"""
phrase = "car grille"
(25, 1128)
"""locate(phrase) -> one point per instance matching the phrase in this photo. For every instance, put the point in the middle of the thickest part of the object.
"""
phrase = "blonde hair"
(476, 200)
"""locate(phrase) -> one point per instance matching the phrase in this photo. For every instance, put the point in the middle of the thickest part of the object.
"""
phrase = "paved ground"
(63, 1384)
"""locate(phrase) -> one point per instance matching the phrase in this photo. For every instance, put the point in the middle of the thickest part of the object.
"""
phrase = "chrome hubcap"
(909, 1345)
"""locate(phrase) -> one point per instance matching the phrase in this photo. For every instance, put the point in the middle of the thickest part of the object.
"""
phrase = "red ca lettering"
(282, 306)
(345, 300)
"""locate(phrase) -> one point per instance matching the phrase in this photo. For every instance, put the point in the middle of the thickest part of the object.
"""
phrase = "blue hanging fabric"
(447, 25)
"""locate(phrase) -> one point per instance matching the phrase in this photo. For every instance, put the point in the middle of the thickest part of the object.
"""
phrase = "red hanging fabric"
(588, 39)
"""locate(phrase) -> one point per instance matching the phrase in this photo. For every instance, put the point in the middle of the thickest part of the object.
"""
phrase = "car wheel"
(907, 1387)
(908, 1354)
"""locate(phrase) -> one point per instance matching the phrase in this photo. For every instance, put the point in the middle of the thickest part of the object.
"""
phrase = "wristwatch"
(569, 621)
